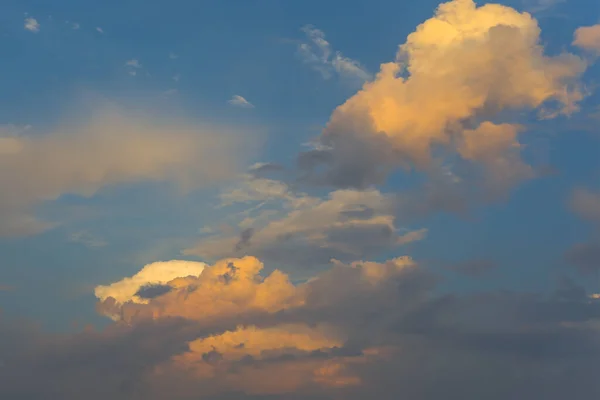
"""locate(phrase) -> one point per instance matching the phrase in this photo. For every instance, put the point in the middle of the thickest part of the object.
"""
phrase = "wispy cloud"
(537, 6)
(132, 65)
(239, 101)
(75, 26)
(98, 29)
(87, 239)
(32, 25)
(173, 56)
(318, 54)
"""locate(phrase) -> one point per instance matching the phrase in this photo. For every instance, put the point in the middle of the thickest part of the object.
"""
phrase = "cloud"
(586, 204)
(585, 257)
(356, 330)
(133, 63)
(157, 273)
(538, 6)
(281, 225)
(588, 38)
(108, 150)
(87, 239)
(239, 101)
(32, 25)
(452, 80)
(318, 54)
(75, 25)
(99, 30)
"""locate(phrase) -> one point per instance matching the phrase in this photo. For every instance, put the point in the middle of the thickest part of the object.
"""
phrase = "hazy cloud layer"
(108, 150)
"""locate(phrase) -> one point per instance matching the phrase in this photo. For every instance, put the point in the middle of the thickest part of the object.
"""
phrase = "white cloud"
(537, 6)
(32, 25)
(239, 101)
(100, 30)
(133, 63)
(157, 273)
(75, 25)
(318, 54)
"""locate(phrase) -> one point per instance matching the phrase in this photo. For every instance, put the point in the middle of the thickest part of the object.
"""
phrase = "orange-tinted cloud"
(588, 38)
(451, 80)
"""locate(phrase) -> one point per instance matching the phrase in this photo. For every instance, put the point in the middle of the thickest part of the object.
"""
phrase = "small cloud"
(588, 38)
(176, 78)
(133, 63)
(538, 6)
(100, 30)
(173, 56)
(170, 92)
(319, 55)
(239, 101)
(75, 26)
(87, 239)
(32, 25)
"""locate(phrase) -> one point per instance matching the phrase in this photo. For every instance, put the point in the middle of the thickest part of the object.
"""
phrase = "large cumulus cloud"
(454, 81)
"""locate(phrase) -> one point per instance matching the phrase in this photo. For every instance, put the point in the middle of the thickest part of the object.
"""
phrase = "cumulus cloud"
(356, 330)
(158, 273)
(443, 96)
(588, 38)
(318, 54)
(32, 25)
(110, 149)
(239, 101)
(282, 225)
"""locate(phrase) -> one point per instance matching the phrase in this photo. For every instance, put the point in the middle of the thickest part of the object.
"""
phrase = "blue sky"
(146, 121)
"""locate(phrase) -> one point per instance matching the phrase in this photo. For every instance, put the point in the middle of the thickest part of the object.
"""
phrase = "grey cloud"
(493, 345)
(585, 257)
(153, 290)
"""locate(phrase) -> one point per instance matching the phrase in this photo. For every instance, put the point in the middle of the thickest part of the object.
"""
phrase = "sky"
(299, 199)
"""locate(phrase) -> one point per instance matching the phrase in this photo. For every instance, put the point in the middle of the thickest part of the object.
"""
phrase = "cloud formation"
(32, 25)
(588, 38)
(283, 226)
(318, 54)
(359, 329)
(108, 150)
(239, 101)
(443, 96)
